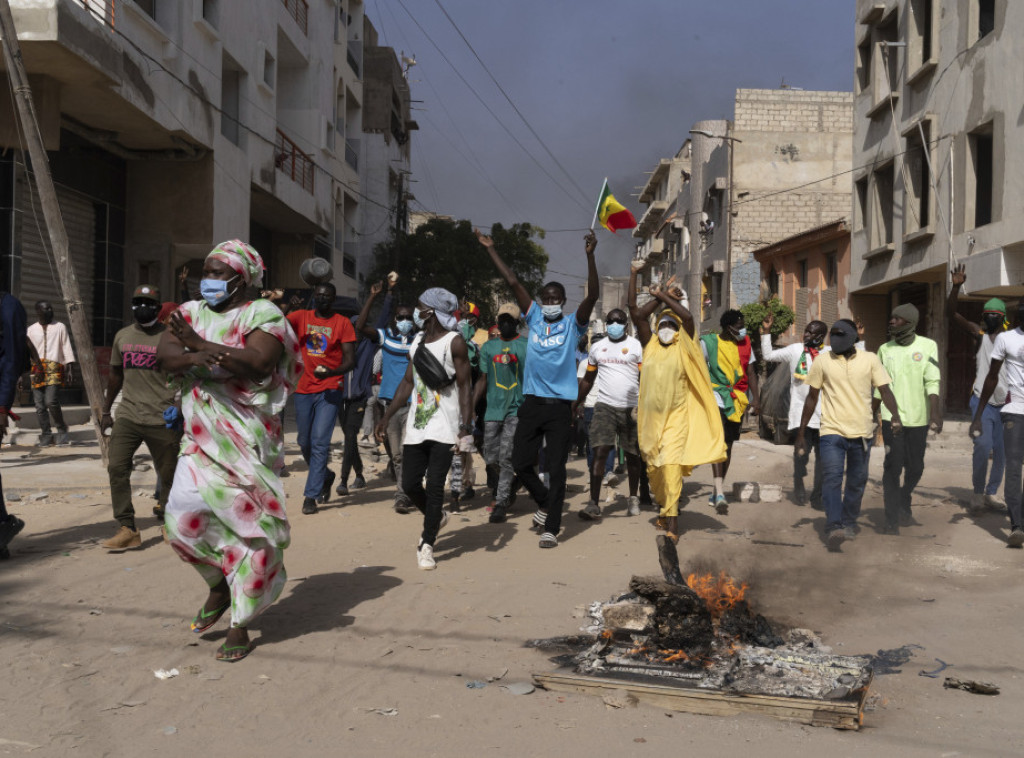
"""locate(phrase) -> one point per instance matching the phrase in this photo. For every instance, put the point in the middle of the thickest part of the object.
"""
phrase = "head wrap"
(444, 304)
(670, 316)
(995, 305)
(242, 258)
(843, 336)
(908, 313)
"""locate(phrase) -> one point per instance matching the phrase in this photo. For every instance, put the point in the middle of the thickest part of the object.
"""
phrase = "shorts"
(611, 423)
(730, 428)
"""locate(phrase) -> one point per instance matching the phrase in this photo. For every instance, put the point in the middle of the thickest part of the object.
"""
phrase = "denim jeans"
(47, 406)
(314, 416)
(1013, 440)
(800, 468)
(990, 442)
(904, 455)
(432, 459)
(838, 454)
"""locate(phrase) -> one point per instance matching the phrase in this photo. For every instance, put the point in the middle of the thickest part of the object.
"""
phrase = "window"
(802, 273)
(230, 98)
(921, 37)
(773, 282)
(980, 178)
(917, 179)
(831, 269)
(211, 12)
(269, 69)
(864, 53)
(860, 220)
(149, 6)
(880, 229)
(986, 17)
(885, 67)
(348, 266)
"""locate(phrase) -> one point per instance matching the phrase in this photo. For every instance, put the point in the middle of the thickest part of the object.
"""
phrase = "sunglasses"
(616, 321)
(402, 318)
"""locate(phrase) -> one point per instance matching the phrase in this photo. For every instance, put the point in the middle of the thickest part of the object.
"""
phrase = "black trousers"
(547, 422)
(904, 455)
(350, 419)
(432, 459)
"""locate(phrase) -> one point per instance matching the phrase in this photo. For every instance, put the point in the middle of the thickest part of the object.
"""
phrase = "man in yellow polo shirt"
(845, 377)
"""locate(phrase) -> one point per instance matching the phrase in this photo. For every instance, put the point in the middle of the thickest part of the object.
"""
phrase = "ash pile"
(703, 634)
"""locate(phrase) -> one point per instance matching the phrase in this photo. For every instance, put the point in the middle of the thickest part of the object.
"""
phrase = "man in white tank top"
(990, 442)
(440, 417)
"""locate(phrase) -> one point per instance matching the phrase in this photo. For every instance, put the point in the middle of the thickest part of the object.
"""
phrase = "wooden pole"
(54, 222)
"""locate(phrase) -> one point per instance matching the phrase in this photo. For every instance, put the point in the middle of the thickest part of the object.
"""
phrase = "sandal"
(205, 619)
(222, 653)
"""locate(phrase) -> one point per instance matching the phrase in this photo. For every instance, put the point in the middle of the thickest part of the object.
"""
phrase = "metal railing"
(290, 160)
(352, 153)
(102, 10)
(299, 10)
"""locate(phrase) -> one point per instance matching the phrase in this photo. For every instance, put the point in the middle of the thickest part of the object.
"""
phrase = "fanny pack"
(430, 369)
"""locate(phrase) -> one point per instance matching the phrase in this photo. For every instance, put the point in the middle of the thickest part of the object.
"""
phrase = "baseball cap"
(147, 291)
(510, 309)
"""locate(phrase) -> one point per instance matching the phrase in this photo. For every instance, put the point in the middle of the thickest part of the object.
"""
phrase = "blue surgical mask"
(741, 333)
(214, 291)
(417, 318)
(404, 326)
(551, 311)
(615, 331)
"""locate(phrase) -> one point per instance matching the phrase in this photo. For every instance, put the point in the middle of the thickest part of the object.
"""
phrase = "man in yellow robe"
(679, 424)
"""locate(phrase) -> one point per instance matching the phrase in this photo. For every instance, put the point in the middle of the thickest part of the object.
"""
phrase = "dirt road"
(366, 655)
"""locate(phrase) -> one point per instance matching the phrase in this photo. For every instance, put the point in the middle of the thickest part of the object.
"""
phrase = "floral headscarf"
(242, 258)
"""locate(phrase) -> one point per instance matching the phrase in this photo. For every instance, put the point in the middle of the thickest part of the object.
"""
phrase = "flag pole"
(598, 207)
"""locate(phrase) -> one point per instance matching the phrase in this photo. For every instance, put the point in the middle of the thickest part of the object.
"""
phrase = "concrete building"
(776, 170)
(810, 273)
(172, 125)
(937, 134)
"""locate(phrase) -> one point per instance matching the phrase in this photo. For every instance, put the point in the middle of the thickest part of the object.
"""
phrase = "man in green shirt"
(140, 416)
(912, 362)
(501, 378)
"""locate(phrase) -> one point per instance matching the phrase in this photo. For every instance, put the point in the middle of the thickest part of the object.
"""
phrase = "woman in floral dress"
(237, 360)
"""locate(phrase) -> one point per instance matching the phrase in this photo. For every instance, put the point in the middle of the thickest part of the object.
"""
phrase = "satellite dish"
(314, 271)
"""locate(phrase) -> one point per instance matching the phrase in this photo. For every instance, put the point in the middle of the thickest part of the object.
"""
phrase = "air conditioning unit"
(657, 246)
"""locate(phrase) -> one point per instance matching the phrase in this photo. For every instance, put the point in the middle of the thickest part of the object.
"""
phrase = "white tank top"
(433, 415)
(983, 359)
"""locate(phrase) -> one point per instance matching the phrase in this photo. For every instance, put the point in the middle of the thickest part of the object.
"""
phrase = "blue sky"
(610, 87)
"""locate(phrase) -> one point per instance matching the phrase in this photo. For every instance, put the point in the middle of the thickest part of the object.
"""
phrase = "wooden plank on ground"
(839, 714)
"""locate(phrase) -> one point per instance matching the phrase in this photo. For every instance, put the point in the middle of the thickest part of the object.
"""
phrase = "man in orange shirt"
(328, 351)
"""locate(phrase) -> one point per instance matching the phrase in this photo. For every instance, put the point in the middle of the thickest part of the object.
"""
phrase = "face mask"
(507, 330)
(551, 312)
(215, 291)
(417, 318)
(992, 322)
(741, 333)
(903, 335)
(667, 335)
(616, 331)
(145, 315)
(404, 326)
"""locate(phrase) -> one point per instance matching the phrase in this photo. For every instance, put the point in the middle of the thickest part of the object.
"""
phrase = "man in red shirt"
(328, 351)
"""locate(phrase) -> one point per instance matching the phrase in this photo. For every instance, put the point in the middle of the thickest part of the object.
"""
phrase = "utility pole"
(54, 222)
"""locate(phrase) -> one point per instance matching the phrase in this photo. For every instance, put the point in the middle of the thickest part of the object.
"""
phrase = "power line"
(509, 99)
(489, 110)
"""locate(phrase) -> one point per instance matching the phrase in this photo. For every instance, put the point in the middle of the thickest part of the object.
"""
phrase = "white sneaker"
(633, 507)
(993, 501)
(425, 557)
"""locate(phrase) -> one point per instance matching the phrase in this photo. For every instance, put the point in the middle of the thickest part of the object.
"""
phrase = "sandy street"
(366, 655)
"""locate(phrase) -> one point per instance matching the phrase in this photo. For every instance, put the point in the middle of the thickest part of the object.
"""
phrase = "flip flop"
(205, 619)
(223, 651)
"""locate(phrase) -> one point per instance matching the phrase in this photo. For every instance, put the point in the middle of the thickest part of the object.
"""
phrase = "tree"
(444, 253)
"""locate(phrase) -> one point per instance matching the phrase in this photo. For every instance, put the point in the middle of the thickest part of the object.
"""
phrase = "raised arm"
(593, 283)
(641, 317)
(364, 314)
(677, 308)
(958, 277)
(522, 296)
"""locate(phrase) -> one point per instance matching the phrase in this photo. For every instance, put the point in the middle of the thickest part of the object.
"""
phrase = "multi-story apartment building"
(937, 132)
(174, 124)
(778, 169)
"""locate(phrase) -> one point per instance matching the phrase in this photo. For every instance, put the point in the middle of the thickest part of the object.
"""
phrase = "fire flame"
(719, 594)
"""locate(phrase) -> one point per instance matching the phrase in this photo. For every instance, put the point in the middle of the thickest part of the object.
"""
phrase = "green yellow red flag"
(611, 213)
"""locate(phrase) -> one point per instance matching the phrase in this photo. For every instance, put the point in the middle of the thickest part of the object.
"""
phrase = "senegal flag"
(611, 213)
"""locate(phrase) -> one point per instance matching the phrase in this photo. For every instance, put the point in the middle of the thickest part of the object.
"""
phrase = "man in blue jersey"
(549, 386)
(394, 341)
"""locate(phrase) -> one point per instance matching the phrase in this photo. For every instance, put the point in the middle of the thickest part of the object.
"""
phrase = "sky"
(609, 87)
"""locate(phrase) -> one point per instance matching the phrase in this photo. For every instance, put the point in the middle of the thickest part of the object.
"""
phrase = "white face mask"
(667, 335)
(551, 311)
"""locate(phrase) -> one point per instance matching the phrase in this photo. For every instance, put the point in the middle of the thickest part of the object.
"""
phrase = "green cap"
(995, 305)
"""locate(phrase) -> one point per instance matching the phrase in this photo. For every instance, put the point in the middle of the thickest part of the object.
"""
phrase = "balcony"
(352, 153)
(354, 56)
(103, 10)
(290, 160)
(299, 10)
(650, 218)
